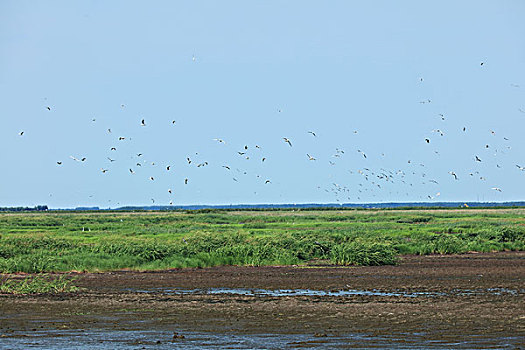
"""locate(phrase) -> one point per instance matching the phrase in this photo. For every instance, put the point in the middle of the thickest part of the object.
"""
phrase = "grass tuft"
(38, 284)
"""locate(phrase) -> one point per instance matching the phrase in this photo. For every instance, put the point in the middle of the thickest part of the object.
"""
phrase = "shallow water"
(322, 293)
(152, 339)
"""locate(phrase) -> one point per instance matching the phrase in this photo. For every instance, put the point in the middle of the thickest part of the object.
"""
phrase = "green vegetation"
(38, 284)
(101, 241)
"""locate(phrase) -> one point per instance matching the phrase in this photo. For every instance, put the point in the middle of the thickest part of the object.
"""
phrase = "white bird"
(496, 189)
(310, 157)
(78, 160)
(520, 167)
(219, 140)
(103, 170)
(313, 133)
(142, 122)
(453, 174)
(21, 133)
(287, 141)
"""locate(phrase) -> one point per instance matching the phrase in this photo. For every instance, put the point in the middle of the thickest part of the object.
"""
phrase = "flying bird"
(103, 170)
(313, 133)
(186, 181)
(477, 159)
(142, 122)
(168, 167)
(496, 189)
(310, 157)
(219, 140)
(227, 167)
(364, 155)
(131, 171)
(287, 141)
(453, 174)
(48, 108)
(111, 160)
(21, 133)
(121, 138)
(151, 178)
(427, 140)
(59, 163)
(267, 182)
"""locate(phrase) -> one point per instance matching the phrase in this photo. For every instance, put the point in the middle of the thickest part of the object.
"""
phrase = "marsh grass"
(38, 284)
(54, 242)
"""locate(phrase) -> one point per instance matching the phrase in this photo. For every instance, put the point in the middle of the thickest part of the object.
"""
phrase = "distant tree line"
(37, 208)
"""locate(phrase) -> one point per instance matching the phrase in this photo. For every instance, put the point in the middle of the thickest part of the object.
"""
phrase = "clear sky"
(374, 78)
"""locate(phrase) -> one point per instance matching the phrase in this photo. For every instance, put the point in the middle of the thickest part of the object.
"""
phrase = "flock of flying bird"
(370, 180)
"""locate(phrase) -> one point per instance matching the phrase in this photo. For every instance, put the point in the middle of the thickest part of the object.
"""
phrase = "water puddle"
(322, 293)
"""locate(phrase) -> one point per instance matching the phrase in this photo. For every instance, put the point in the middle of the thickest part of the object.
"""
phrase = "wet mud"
(453, 301)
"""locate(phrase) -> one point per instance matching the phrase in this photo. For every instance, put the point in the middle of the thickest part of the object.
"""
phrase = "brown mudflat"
(449, 301)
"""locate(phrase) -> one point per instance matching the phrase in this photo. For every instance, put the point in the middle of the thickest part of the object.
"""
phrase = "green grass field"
(101, 241)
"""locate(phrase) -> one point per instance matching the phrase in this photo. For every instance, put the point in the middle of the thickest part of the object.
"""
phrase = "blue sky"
(360, 75)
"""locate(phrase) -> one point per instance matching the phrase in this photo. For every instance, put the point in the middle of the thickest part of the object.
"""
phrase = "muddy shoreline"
(450, 301)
